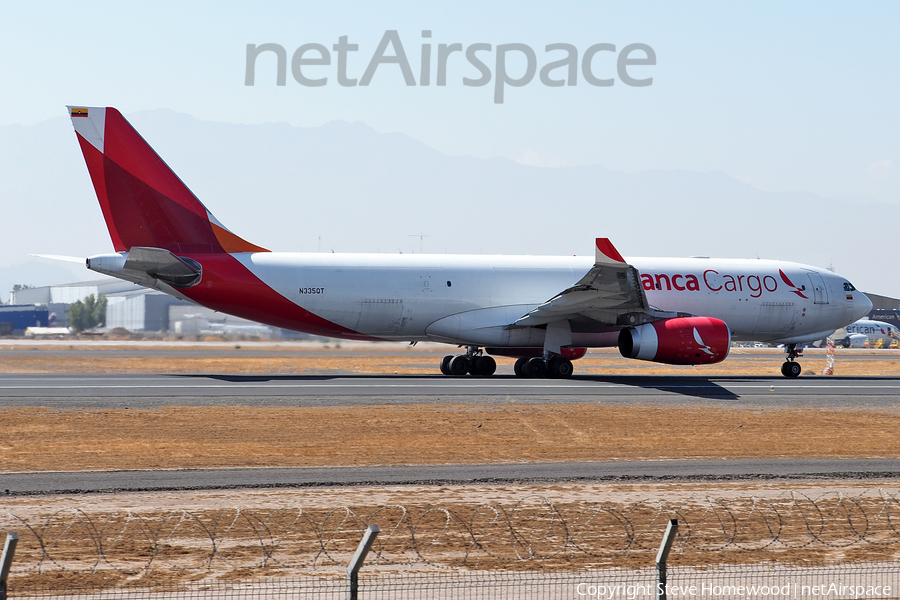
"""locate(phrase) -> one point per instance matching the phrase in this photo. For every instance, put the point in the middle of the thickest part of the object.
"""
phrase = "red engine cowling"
(681, 341)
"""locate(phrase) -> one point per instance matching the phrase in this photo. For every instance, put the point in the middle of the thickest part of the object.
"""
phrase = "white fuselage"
(463, 298)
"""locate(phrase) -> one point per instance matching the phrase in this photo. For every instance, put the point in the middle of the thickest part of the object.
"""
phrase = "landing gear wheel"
(483, 366)
(459, 365)
(791, 369)
(560, 368)
(519, 368)
(445, 364)
(535, 367)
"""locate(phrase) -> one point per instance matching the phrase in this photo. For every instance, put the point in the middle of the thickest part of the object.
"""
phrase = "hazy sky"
(785, 96)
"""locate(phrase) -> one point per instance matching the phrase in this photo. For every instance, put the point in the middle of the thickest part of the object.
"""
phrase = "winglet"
(607, 253)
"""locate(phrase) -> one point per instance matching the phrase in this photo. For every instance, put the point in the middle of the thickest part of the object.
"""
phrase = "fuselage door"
(819, 290)
(380, 316)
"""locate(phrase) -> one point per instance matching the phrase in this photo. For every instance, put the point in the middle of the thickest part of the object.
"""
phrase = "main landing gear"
(474, 362)
(790, 368)
(557, 367)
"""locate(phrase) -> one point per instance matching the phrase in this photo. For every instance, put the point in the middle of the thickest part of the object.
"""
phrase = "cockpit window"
(848, 287)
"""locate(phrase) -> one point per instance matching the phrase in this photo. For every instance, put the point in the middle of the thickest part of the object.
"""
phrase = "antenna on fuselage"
(421, 237)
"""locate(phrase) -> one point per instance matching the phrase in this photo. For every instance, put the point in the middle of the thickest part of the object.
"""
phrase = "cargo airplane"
(545, 311)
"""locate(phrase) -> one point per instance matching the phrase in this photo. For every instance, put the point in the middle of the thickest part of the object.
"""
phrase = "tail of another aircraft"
(144, 203)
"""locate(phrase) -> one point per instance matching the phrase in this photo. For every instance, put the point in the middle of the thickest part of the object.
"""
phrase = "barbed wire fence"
(723, 536)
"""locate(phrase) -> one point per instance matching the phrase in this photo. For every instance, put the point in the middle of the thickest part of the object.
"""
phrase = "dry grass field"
(209, 437)
(236, 534)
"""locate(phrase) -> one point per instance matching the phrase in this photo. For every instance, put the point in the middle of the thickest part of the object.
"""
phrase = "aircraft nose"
(864, 307)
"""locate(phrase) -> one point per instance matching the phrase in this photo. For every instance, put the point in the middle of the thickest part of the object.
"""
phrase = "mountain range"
(345, 187)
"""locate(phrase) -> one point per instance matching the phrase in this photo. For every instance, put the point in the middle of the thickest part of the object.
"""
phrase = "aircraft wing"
(610, 293)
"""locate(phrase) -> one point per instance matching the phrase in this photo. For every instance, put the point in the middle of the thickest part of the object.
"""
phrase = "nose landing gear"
(790, 368)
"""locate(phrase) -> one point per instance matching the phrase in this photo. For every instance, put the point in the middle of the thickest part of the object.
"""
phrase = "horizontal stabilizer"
(149, 267)
(71, 259)
(177, 271)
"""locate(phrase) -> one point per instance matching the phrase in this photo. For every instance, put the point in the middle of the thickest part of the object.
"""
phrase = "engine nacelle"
(680, 341)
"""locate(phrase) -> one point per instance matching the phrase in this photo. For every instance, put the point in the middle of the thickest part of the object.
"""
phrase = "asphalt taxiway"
(680, 470)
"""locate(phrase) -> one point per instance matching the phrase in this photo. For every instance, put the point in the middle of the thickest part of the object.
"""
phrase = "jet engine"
(679, 341)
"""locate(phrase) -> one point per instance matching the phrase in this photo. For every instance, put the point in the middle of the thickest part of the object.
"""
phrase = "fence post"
(662, 556)
(356, 562)
(9, 551)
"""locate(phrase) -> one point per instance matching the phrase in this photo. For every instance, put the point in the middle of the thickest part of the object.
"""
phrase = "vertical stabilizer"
(143, 201)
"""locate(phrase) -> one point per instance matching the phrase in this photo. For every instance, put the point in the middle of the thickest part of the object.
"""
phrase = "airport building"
(136, 308)
(15, 318)
(885, 309)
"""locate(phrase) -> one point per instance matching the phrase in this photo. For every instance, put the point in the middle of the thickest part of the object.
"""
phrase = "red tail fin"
(143, 201)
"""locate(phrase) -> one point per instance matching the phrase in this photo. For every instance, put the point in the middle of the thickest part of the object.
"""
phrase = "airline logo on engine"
(714, 281)
(702, 344)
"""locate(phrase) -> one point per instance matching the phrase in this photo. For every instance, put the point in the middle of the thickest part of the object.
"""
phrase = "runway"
(680, 470)
(146, 391)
